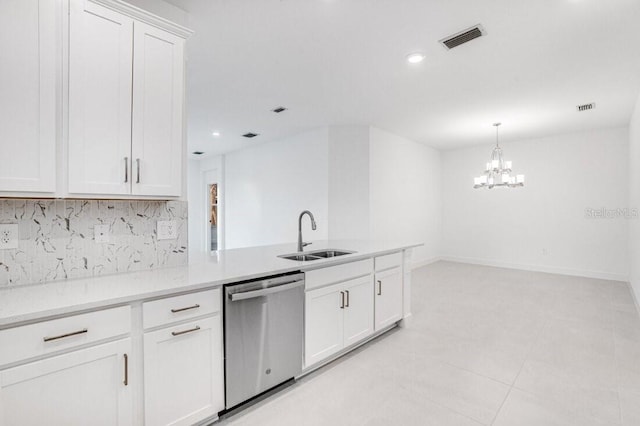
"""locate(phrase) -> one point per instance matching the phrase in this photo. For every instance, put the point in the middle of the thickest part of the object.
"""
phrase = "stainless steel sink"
(330, 253)
(300, 257)
(315, 255)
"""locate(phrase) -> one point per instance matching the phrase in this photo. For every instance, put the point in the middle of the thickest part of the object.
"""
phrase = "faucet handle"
(306, 244)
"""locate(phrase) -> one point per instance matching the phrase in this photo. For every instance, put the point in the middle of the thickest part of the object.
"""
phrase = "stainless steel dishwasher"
(263, 335)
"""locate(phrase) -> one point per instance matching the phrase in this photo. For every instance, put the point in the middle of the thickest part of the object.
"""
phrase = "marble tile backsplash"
(57, 238)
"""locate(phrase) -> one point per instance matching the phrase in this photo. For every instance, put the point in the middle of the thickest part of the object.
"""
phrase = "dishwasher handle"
(265, 291)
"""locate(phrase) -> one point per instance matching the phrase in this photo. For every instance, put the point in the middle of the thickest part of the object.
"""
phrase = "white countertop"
(33, 302)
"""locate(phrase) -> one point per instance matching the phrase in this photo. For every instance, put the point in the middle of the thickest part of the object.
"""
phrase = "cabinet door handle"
(185, 309)
(62, 336)
(347, 305)
(178, 333)
(126, 370)
(137, 170)
(379, 288)
(126, 169)
(342, 299)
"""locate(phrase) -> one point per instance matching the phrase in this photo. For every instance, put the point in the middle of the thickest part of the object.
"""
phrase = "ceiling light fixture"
(415, 58)
(498, 171)
(215, 134)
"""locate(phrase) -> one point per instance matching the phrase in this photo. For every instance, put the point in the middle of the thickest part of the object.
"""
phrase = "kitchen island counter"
(29, 303)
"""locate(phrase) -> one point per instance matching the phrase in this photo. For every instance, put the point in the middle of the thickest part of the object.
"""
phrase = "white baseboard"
(424, 262)
(540, 268)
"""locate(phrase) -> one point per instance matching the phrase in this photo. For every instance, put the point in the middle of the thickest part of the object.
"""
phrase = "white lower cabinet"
(324, 323)
(336, 317)
(183, 373)
(358, 312)
(85, 387)
(388, 297)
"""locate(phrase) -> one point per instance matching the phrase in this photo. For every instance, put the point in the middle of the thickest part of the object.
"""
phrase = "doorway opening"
(213, 215)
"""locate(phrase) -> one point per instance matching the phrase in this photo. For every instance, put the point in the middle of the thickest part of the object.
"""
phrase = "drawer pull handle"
(379, 288)
(126, 370)
(185, 309)
(347, 305)
(178, 333)
(62, 336)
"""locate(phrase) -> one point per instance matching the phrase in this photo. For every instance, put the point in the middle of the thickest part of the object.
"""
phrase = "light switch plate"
(8, 236)
(167, 230)
(101, 233)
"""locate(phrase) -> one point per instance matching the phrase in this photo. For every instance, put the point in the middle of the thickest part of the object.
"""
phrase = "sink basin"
(300, 257)
(330, 253)
(315, 255)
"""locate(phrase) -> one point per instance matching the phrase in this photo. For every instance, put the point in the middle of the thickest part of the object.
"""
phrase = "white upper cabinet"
(28, 77)
(126, 100)
(158, 68)
(100, 84)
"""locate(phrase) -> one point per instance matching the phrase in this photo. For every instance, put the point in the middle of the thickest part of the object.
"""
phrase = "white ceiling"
(335, 62)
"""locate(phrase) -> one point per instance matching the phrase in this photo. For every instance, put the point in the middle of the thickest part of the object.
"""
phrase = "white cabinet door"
(100, 84)
(358, 312)
(158, 85)
(183, 378)
(85, 387)
(388, 297)
(324, 322)
(27, 94)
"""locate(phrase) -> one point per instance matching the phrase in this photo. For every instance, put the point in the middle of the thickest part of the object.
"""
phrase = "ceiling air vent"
(586, 107)
(250, 135)
(463, 36)
(197, 152)
(279, 110)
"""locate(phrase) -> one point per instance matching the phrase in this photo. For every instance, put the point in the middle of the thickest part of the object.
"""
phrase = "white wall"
(200, 174)
(634, 199)
(269, 185)
(195, 207)
(512, 227)
(359, 182)
(349, 182)
(406, 193)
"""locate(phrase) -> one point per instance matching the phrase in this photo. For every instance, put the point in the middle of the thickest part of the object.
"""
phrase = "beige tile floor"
(486, 346)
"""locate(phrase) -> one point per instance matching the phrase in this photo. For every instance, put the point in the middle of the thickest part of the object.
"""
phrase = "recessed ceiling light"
(279, 109)
(198, 152)
(415, 58)
(215, 134)
(250, 135)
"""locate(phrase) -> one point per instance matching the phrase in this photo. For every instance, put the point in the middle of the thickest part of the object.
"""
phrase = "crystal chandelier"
(498, 171)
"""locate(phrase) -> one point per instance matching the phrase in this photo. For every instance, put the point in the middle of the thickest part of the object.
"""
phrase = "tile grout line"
(615, 358)
(526, 358)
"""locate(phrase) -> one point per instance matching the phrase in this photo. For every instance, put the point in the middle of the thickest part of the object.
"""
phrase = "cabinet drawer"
(388, 261)
(178, 308)
(333, 274)
(33, 340)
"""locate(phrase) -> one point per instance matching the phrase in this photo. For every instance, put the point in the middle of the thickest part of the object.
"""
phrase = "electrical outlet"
(101, 233)
(167, 230)
(8, 236)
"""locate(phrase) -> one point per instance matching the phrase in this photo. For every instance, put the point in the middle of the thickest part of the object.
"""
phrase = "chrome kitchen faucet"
(302, 245)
